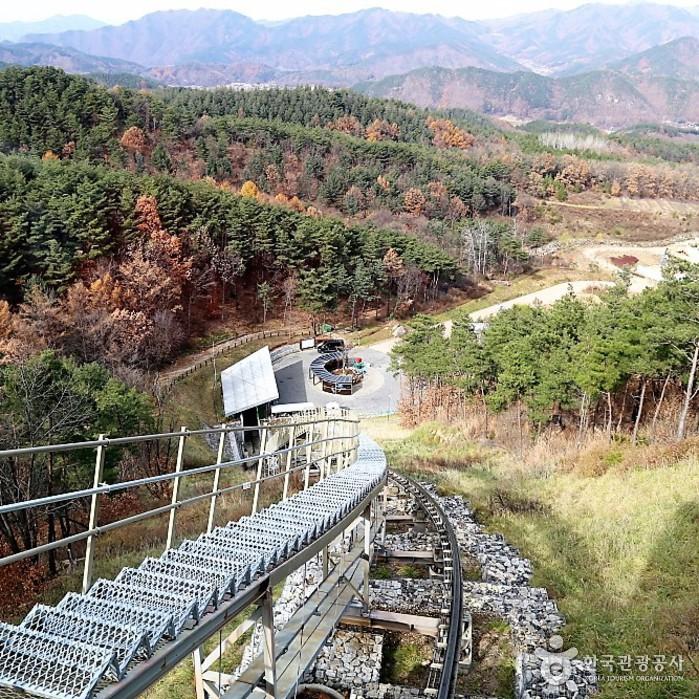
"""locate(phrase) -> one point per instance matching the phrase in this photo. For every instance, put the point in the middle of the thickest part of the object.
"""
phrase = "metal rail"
(445, 664)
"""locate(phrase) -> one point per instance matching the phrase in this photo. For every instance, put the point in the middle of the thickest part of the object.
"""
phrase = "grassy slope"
(619, 551)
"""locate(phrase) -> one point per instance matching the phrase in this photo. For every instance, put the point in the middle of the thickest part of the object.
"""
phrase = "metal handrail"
(348, 439)
(109, 488)
(147, 514)
(136, 439)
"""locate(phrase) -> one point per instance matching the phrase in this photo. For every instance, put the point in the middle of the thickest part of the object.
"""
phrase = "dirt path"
(581, 289)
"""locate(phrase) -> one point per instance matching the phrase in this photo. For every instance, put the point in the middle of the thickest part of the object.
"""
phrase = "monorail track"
(445, 662)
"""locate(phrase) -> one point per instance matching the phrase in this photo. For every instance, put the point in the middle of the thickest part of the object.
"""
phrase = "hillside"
(605, 98)
(70, 60)
(369, 43)
(677, 59)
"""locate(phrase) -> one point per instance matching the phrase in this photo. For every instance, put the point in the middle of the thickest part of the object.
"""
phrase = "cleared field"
(590, 215)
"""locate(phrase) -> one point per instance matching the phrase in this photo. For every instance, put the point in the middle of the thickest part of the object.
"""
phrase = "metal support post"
(260, 464)
(94, 516)
(217, 479)
(325, 554)
(366, 516)
(268, 645)
(176, 490)
(289, 454)
(384, 509)
(198, 675)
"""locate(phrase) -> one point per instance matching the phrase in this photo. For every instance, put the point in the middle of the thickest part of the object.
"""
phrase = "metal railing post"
(287, 474)
(176, 489)
(269, 654)
(322, 461)
(354, 431)
(94, 516)
(309, 455)
(346, 444)
(260, 464)
(217, 479)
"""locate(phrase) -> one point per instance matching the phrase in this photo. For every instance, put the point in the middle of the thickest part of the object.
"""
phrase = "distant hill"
(605, 98)
(676, 59)
(128, 80)
(13, 31)
(366, 44)
(162, 38)
(70, 60)
(589, 36)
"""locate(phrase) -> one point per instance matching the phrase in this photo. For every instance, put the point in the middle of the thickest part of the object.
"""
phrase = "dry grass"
(617, 546)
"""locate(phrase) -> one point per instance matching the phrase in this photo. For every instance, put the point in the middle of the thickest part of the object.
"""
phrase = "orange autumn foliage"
(446, 134)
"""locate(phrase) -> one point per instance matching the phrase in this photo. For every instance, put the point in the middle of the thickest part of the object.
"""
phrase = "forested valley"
(133, 222)
(526, 296)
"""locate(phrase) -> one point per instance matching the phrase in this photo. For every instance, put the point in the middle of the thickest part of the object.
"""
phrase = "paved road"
(378, 395)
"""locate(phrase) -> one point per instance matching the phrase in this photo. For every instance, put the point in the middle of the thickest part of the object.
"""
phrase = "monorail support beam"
(270, 657)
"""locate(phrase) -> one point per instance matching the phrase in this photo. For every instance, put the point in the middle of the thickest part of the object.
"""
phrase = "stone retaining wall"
(350, 660)
(533, 617)
(407, 596)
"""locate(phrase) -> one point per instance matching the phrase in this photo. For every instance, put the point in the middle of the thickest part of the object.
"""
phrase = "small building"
(249, 388)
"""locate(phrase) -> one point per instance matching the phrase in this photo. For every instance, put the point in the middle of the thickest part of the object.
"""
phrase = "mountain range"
(368, 43)
(606, 98)
(608, 64)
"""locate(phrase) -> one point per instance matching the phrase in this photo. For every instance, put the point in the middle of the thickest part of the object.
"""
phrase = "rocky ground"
(351, 660)
(544, 669)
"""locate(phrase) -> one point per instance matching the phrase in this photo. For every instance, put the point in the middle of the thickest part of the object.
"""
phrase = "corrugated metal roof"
(249, 383)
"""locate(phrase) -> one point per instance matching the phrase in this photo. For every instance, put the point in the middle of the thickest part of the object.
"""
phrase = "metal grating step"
(182, 608)
(201, 594)
(239, 572)
(47, 666)
(153, 622)
(207, 546)
(221, 583)
(126, 642)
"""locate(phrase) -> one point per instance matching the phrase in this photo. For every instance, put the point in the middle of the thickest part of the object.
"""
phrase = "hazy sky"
(117, 12)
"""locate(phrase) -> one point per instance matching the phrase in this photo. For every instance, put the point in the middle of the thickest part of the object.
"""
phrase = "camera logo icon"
(556, 666)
